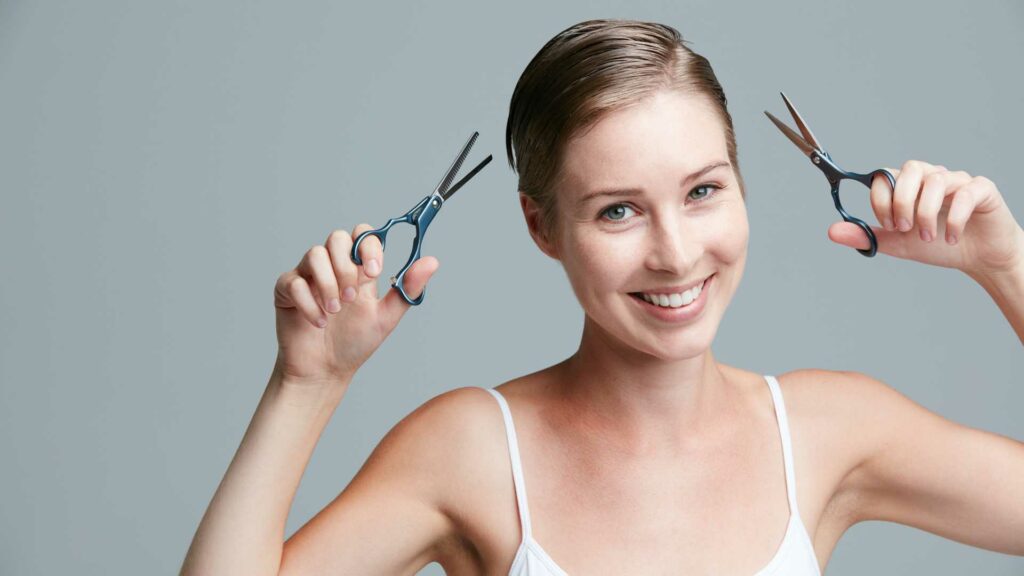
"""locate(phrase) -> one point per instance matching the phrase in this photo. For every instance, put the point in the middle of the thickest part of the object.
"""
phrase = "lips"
(671, 289)
(683, 314)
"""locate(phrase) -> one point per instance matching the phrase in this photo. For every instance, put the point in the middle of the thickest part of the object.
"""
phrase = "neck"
(640, 401)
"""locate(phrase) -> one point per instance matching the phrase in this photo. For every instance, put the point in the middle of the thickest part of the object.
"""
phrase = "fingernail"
(888, 224)
(951, 239)
(904, 224)
(334, 305)
(321, 322)
(926, 235)
(372, 267)
(348, 294)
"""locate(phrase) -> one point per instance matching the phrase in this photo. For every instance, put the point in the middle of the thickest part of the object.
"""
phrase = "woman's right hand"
(352, 330)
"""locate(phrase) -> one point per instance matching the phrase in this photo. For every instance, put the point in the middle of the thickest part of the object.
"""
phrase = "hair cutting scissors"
(420, 216)
(810, 146)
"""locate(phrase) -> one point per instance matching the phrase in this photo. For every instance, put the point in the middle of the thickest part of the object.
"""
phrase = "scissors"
(810, 146)
(420, 216)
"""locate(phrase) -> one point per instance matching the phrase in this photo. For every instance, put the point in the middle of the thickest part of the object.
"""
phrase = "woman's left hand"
(945, 218)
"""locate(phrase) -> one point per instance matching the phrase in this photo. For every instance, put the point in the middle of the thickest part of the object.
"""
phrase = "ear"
(532, 213)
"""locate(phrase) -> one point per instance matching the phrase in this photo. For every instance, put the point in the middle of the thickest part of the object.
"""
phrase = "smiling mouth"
(673, 300)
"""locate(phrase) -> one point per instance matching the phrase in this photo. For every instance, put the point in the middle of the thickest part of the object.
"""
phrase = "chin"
(683, 348)
(677, 346)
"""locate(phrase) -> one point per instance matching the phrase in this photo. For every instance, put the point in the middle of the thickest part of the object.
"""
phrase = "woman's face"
(680, 225)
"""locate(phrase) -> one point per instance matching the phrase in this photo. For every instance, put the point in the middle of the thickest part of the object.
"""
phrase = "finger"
(936, 196)
(965, 199)
(881, 198)
(298, 292)
(933, 192)
(908, 185)
(372, 254)
(414, 282)
(316, 267)
(282, 298)
(339, 247)
(893, 243)
(848, 234)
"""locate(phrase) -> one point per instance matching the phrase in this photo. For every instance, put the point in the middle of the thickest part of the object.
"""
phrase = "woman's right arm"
(243, 528)
(388, 519)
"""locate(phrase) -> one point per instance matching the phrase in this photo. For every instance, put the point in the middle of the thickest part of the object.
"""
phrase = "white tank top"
(794, 557)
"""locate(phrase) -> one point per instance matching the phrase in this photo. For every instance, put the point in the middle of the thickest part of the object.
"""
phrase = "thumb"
(414, 282)
(849, 234)
(893, 243)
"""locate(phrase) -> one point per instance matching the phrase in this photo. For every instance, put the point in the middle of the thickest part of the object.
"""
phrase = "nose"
(672, 247)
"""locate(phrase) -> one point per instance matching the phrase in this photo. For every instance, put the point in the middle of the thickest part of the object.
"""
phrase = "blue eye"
(712, 189)
(615, 209)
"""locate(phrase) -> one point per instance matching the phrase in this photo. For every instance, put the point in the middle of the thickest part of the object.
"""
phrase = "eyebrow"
(636, 191)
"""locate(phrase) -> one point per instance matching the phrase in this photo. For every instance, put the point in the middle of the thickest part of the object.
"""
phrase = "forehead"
(671, 131)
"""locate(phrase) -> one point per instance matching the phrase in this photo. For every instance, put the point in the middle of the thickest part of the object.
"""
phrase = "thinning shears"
(810, 146)
(420, 216)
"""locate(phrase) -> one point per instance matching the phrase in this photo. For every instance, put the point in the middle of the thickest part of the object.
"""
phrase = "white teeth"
(674, 300)
(689, 297)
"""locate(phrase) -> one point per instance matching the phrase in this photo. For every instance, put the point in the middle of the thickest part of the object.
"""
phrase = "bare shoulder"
(846, 398)
(849, 396)
(825, 403)
(840, 404)
(912, 466)
(817, 384)
(426, 453)
(447, 436)
(456, 444)
(451, 418)
(841, 415)
(405, 496)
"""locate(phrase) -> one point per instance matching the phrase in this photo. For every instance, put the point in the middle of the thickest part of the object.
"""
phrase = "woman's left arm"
(912, 466)
(949, 219)
(1007, 289)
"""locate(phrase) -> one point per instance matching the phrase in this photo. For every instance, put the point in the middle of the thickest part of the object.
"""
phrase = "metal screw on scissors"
(421, 216)
(810, 146)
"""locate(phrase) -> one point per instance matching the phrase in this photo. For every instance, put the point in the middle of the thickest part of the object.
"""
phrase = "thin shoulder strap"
(517, 467)
(787, 445)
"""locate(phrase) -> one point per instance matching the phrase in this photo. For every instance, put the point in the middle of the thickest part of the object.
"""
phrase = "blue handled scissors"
(810, 146)
(420, 216)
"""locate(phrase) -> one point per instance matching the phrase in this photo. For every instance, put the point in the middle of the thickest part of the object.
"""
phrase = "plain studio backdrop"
(162, 163)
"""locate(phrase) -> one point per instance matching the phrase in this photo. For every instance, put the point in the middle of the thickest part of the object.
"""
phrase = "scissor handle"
(420, 216)
(867, 180)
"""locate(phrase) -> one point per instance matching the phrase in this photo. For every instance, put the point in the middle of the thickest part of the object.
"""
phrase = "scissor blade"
(804, 129)
(447, 193)
(450, 174)
(793, 136)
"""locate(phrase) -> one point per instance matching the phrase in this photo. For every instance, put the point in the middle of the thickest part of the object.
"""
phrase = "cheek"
(728, 234)
(599, 259)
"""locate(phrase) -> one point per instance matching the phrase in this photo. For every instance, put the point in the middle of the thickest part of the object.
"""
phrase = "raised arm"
(388, 520)
(910, 465)
(1007, 289)
(395, 516)
(242, 531)
(914, 467)
(329, 322)
(949, 219)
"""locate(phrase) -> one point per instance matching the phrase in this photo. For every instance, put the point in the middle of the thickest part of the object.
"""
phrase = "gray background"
(162, 163)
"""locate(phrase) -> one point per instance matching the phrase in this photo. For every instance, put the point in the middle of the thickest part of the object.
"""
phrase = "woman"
(643, 454)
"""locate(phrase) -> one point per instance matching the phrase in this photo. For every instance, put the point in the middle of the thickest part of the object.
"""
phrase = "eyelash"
(714, 187)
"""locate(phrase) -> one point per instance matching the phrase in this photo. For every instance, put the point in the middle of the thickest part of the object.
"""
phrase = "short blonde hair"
(585, 72)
